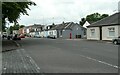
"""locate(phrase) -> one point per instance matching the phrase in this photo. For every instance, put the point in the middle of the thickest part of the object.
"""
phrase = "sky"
(56, 11)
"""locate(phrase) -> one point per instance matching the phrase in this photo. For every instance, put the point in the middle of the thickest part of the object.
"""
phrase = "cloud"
(66, 10)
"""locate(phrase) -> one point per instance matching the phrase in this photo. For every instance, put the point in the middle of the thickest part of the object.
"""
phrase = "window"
(111, 31)
(92, 32)
(84, 32)
(55, 32)
(51, 33)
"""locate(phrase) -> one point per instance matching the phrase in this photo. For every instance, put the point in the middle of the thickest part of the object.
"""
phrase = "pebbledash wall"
(105, 32)
(96, 36)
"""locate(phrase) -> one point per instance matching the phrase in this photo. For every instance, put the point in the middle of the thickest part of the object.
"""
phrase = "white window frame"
(91, 32)
(112, 29)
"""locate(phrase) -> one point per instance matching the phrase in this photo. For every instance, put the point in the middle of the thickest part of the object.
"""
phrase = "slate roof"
(35, 26)
(90, 22)
(67, 25)
(108, 21)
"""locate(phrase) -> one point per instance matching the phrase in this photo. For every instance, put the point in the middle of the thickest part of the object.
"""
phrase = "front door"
(100, 33)
(57, 34)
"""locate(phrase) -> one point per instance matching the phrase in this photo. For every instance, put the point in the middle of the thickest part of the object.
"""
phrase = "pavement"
(16, 61)
(72, 56)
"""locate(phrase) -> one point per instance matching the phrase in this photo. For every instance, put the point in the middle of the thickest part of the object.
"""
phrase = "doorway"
(100, 32)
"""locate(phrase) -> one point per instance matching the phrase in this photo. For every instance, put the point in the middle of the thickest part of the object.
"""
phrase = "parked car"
(37, 36)
(22, 36)
(52, 37)
(116, 41)
(16, 37)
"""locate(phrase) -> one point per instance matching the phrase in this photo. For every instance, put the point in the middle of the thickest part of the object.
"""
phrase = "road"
(72, 56)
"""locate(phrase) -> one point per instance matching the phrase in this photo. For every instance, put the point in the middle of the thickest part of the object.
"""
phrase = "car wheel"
(115, 42)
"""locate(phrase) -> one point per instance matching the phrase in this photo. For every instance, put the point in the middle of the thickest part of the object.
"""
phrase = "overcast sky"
(57, 11)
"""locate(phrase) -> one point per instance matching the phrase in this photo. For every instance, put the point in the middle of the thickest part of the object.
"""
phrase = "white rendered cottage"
(105, 29)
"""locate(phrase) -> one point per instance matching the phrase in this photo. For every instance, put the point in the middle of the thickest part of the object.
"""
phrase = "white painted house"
(105, 29)
(47, 31)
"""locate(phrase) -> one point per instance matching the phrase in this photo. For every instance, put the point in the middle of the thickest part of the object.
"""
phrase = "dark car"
(16, 37)
(116, 41)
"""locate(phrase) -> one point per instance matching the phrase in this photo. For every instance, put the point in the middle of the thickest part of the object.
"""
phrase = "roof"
(35, 25)
(108, 21)
(51, 26)
(67, 25)
(90, 22)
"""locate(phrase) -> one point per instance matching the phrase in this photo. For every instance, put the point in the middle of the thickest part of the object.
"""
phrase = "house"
(67, 30)
(46, 30)
(87, 23)
(105, 29)
(21, 31)
(33, 30)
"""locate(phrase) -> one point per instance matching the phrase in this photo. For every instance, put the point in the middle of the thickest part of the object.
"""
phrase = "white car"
(37, 36)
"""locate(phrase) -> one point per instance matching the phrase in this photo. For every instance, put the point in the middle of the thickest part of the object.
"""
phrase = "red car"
(22, 36)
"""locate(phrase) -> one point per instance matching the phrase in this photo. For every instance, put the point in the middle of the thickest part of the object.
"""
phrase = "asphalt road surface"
(72, 56)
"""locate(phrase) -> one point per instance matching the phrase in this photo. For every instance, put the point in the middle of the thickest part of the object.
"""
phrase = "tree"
(104, 15)
(53, 24)
(21, 26)
(93, 18)
(13, 10)
(83, 20)
(15, 27)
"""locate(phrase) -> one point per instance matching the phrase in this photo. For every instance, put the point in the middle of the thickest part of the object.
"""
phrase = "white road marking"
(115, 66)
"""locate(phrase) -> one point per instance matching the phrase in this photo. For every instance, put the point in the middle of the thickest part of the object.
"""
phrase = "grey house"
(68, 30)
(105, 29)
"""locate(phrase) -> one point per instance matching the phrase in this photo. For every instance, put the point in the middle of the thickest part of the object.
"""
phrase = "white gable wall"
(96, 36)
(105, 32)
(86, 24)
